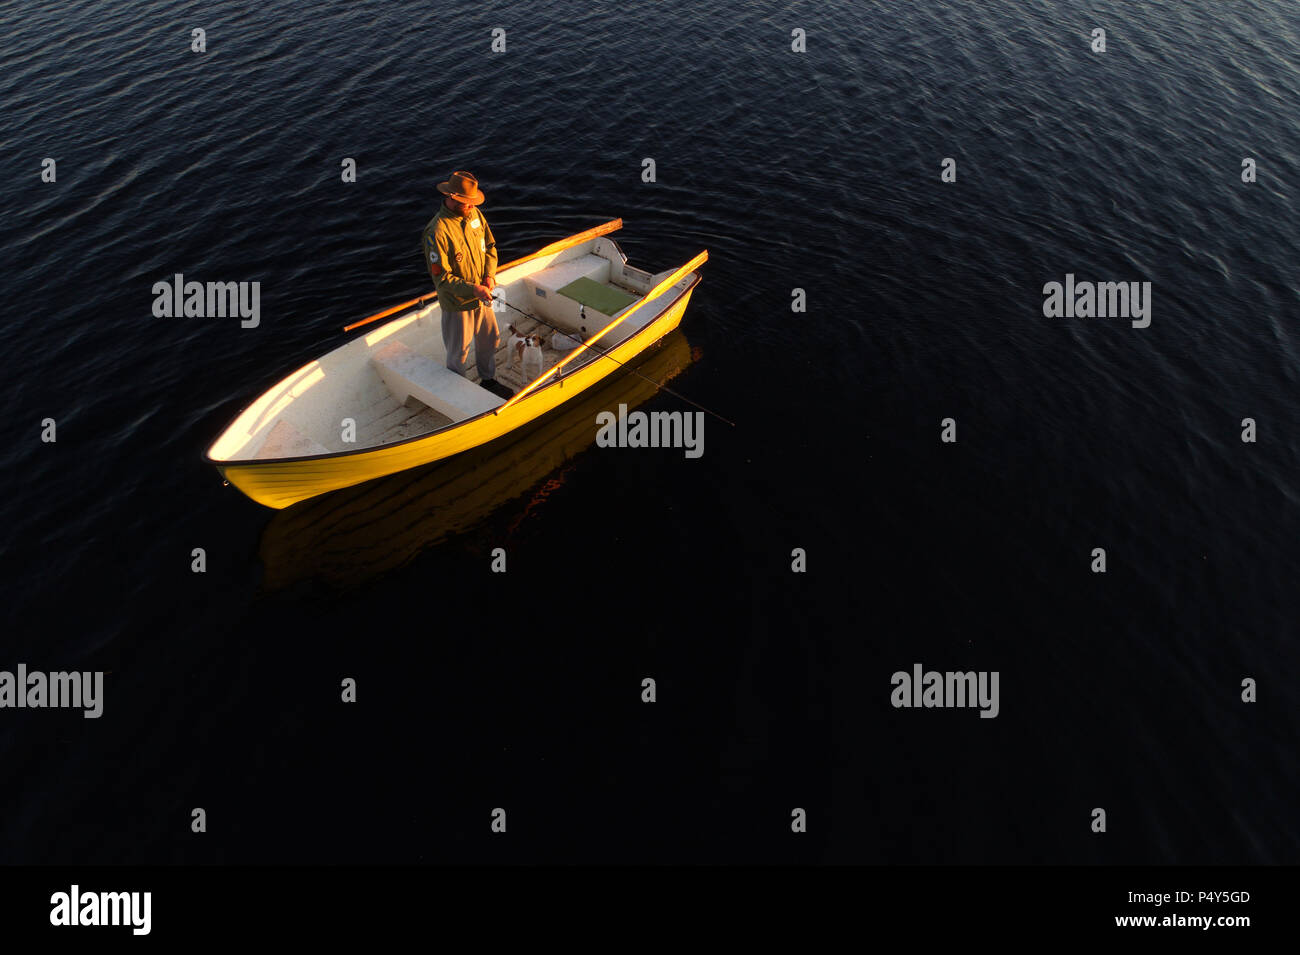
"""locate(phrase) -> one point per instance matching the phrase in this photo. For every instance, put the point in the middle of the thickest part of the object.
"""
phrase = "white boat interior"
(393, 383)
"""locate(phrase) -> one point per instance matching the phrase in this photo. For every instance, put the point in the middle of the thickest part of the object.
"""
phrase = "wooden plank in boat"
(408, 374)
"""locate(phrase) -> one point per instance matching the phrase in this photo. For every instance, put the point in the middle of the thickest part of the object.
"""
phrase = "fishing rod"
(599, 351)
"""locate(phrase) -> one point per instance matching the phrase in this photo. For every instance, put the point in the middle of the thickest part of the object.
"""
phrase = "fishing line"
(597, 349)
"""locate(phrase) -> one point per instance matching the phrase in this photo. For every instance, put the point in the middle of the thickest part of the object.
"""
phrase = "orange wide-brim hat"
(461, 185)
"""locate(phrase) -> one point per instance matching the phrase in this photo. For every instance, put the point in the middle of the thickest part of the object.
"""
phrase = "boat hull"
(282, 483)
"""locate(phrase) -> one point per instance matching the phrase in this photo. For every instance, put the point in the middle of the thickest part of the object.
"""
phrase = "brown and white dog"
(526, 351)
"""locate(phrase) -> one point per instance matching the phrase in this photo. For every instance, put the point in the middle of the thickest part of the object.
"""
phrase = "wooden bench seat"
(410, 375)
(554, 277)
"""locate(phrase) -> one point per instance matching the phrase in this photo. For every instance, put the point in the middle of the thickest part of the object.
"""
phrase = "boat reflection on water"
(352, 535)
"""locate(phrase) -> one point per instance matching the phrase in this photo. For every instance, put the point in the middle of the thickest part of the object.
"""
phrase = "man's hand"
(491, 283)
(483, 293)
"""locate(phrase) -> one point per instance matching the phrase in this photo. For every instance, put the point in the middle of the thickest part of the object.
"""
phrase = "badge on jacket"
(460, 256)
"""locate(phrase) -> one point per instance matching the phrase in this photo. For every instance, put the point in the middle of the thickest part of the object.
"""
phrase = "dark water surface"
(816, 170)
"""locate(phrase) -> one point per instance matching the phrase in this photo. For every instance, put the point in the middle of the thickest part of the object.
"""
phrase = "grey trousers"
(478, 326)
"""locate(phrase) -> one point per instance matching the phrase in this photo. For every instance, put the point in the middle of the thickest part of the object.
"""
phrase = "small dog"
(532, 357)
(526, 351)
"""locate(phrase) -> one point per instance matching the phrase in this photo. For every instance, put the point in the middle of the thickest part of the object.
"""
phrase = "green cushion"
(603, 298)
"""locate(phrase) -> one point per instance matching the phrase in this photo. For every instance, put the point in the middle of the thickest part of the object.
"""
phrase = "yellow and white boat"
(386, 401)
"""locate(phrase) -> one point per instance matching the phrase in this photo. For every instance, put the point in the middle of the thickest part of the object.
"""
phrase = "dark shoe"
(498, 389)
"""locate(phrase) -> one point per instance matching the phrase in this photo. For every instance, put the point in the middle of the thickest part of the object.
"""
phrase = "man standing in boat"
(461, 255)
